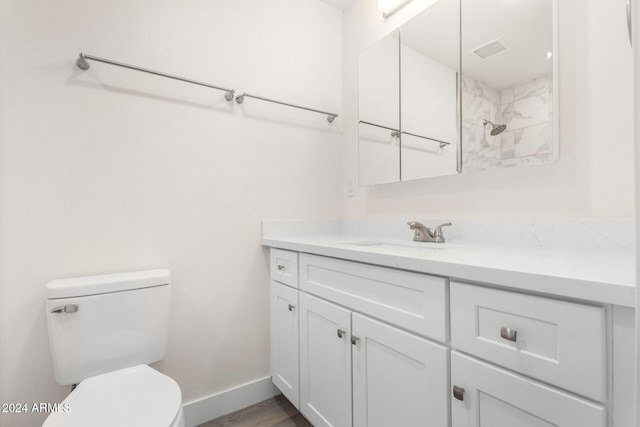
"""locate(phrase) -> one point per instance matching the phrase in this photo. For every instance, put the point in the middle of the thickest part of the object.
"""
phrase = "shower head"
(495, 129)
(498, 130)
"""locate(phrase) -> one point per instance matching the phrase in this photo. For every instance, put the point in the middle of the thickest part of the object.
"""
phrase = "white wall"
(111, 170)
(636, 104)
(594, 176)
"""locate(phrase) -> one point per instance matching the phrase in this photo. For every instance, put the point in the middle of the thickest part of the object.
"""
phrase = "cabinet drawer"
(558, 342)
(284, 267)
(416, 302)
(493, 397)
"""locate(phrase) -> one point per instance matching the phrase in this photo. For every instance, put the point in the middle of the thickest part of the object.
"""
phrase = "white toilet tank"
(99, 324)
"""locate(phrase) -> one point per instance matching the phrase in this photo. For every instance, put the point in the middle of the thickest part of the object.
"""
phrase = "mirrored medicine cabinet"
(465, 85)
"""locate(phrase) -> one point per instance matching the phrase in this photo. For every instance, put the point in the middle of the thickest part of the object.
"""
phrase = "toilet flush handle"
(69, 308)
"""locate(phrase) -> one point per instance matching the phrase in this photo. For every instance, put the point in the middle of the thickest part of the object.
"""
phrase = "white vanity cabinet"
(379, 346)
(540, 340)
(398, 377)
(355, 369)
(284, 322)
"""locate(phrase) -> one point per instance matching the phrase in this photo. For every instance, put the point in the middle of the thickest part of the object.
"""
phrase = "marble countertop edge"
(605, 278)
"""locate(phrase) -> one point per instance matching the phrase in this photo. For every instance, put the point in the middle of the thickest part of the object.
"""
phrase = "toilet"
(103, 333)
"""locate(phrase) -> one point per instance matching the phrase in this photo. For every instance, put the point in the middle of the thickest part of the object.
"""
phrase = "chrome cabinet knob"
(291, 307)
(280, 267)
(509, 334)
(340, 333)
(354, 340)
(458, 393)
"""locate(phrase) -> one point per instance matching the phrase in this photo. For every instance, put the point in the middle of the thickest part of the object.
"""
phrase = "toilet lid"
(138, 397)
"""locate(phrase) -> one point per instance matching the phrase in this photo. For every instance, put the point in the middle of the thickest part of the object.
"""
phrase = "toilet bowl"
(103, 332)
(138, 396)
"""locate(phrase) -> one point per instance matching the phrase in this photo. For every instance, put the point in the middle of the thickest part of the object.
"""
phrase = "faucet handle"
(437, 233)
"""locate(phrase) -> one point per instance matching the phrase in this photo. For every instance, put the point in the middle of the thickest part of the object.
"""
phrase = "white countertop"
(603, 276)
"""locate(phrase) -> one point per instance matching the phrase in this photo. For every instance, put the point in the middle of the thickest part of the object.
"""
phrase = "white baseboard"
(211, 407)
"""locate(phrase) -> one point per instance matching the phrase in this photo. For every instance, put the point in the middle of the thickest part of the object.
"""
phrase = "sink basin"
(408, 246)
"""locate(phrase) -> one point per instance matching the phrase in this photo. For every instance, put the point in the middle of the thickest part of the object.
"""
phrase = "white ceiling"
(525, 27)
(340, 4)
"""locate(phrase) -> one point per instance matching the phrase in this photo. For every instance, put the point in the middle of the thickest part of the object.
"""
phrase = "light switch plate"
(351, 186)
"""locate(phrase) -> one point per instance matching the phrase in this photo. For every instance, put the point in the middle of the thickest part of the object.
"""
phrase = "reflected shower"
(495, 129)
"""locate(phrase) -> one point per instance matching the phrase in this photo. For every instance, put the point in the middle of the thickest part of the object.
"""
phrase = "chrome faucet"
(424, 234)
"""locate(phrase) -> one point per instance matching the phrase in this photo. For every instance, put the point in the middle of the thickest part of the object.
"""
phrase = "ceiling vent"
(489, 49)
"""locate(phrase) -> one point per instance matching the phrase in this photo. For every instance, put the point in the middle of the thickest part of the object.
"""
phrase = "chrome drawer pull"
(509, 334)
(291, 307)
(458, 393)
(69, 308)
(340, 333)
(280, 267)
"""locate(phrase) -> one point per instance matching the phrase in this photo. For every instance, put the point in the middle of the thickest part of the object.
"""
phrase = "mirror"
(379, 111)
(508, 79)
(453, 91)
(408, 99)
(430, 64)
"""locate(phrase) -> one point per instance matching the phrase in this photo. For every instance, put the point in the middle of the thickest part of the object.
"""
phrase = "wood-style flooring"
(275, 412)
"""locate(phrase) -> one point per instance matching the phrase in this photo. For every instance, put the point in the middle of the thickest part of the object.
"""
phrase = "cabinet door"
(284, 340)
(399, 379)
(325, 362)
(494, 397)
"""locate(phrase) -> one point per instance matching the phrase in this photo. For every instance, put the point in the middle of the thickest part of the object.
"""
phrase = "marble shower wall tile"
(526, 110)
(476, 108)
(507, 145)
(530, 111)
(480, 150)
(535, 159)
(532, 87)
(532, 140)
(481, 89)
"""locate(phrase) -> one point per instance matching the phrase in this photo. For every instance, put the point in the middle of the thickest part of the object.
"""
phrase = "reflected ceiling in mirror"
(508, 83)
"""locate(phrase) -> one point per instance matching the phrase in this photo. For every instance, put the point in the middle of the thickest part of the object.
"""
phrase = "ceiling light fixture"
(389, 7)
